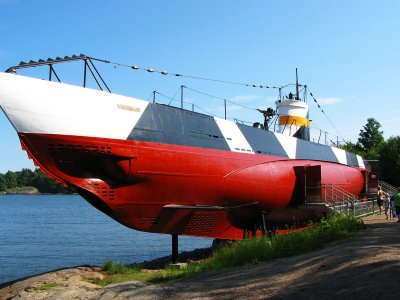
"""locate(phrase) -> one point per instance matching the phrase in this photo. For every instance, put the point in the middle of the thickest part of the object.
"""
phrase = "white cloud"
(245, 98)
(233, 108)
(254, 100)
(330, 100)
(393, 104)
(391, 121)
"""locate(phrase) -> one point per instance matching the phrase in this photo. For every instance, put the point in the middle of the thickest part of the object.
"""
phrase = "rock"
(63, 284)
(178, 266)
(27, 190)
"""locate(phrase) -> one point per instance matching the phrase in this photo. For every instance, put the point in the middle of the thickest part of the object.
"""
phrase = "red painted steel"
(133, 181)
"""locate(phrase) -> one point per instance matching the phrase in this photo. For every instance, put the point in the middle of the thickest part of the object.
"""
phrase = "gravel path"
(366, 266)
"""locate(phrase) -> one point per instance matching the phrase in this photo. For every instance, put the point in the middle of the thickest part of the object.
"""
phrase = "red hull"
(133, 182)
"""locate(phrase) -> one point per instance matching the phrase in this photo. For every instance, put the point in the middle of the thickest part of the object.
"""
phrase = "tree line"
(383, 155)
(27, 177)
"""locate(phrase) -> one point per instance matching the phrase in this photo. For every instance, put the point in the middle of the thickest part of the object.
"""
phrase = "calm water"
(39, 233)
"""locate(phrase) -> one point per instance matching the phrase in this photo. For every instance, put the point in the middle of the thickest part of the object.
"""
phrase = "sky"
(346, 51)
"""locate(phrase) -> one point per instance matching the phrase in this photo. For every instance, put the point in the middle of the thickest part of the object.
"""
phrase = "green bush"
(116, 268)
(326, 231)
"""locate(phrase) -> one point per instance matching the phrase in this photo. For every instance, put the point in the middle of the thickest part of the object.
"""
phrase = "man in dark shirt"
(397, 203)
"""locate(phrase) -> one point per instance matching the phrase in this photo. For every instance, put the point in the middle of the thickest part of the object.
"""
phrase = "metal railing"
(387, 188)
(340, 201)
(356, 207)
(334, 193)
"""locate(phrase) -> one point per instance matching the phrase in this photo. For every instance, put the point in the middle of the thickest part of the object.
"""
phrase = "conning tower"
(293, 115)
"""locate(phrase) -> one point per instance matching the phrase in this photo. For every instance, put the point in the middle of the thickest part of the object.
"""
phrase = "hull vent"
(147, 222)
(201, 224)
(79, 147)
(107, 193)
(102, 190)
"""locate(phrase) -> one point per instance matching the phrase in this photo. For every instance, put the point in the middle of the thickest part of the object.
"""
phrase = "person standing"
(380, 195)
(392, 209)
(397, 204)
(386, 204)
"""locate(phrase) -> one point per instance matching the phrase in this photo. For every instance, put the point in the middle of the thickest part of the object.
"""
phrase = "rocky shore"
(28, 190)
(365, 266)
(69, 283)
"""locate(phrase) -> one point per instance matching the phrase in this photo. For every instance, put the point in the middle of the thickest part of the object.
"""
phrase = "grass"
(321, 234)
(120, 272)
(249, 251)
(44, 286)
(116, 268)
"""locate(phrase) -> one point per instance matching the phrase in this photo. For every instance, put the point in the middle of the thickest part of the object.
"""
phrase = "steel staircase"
(338, 200)
(387, 188)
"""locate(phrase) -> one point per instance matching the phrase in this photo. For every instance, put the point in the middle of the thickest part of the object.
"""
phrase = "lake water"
(40, 233)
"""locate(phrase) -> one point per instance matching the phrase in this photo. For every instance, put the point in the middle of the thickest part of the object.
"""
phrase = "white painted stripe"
(234, 136)
(340, 155)
(288, 143)
(360, 161)
(40, 106)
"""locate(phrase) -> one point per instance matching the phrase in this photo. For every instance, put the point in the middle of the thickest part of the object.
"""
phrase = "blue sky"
(347, 52)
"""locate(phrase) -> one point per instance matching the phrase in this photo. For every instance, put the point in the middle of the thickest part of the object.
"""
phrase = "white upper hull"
(41, 106)
(45, 107)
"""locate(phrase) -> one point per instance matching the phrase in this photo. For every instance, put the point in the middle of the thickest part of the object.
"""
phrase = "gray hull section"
(170, 125)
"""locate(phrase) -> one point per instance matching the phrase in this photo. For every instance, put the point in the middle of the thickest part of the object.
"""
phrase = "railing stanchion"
(225, 107)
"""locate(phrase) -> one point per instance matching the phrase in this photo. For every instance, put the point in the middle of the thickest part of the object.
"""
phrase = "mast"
(297, 86)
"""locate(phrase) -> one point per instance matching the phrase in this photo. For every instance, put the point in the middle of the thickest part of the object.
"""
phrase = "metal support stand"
(264, 226)
(174, 248)
(245, 234)
(254, 230)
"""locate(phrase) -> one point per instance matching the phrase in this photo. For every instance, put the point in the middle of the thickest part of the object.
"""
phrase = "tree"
(47, 185)
(371, 145)
(25, 177)
(354, 148)
(371, 138)
(37, 179)
(389, 160)
(3, 185)
(11, 180)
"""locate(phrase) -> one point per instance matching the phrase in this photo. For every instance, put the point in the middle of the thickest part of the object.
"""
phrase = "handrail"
(334, 196)
(387, 188)
(333, 192)
(341, 201)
